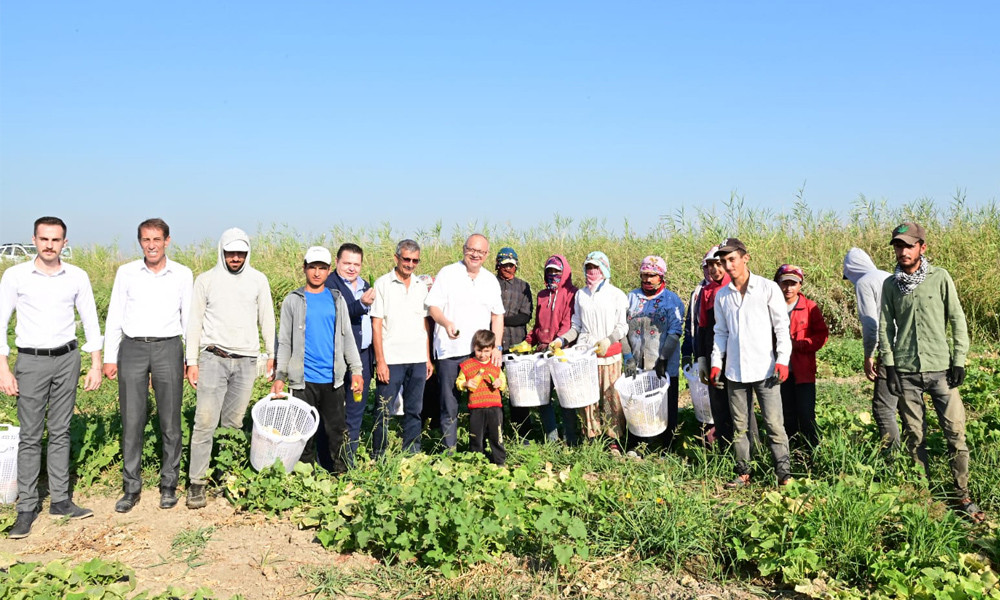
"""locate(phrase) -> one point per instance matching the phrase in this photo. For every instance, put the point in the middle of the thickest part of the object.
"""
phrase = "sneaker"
(22, 526)
(66, 508)
(739, 482)
(196, 496)
(967, 507)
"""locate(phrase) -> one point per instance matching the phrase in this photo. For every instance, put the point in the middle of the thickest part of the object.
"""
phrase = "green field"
(576, 522)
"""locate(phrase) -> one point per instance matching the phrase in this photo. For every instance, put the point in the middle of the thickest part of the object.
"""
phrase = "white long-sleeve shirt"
(44, 305)
(147, 304)
(598, 315)
(751, 330)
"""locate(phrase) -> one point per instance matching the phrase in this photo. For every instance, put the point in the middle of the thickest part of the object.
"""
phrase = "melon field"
(558, 521)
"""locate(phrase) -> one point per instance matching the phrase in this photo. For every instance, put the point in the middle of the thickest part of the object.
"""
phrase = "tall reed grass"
(963, 239)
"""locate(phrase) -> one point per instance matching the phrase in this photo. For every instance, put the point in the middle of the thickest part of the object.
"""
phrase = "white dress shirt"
(147, 304)
(44, 305)
(468, 303)
(745, 325)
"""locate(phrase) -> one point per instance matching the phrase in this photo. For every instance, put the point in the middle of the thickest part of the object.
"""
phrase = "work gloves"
(703, 370)
(602, 346)
(955, 376)
(660, 368)
(629, 368)
(893, 383)
(780, 373)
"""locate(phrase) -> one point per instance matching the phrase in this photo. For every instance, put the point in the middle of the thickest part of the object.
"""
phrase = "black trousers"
(487, 424)
(329, 401)
(798, 403)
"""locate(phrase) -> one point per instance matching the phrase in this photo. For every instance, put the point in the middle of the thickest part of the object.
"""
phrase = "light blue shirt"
(366, 321)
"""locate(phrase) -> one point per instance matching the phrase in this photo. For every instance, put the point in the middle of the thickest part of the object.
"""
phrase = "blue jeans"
(447, 374)
(410, 378)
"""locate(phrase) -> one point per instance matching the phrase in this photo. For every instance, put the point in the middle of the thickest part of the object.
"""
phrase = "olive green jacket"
(913, 329)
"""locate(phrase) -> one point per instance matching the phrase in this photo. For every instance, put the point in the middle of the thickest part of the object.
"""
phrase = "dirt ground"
(261, 558)
(246, 554)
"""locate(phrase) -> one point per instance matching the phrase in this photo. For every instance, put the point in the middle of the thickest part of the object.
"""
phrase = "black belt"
(150, 340)
(223, 354)
(65, 348)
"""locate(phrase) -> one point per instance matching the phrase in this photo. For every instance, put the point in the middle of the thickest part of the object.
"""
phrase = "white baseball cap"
(236, 246)
(318, 254)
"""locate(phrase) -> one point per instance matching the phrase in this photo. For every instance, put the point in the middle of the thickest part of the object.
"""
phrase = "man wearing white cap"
(315, 348)
(231, 309)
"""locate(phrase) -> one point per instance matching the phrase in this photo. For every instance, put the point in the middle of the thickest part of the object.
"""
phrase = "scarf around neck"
(907, 282)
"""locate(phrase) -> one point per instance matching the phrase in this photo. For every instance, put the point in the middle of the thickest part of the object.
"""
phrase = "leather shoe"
(22, 526)
(168, 497)
(127, 502)
(67, 508)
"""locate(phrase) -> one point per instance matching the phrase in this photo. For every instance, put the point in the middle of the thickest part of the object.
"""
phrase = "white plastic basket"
(574, 375)
(644, 402)
(699, 396)
(528, 379)
(281, 429)
(9, 438)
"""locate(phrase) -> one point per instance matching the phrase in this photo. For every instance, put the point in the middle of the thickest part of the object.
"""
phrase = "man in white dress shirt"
(147, 317)
(750, 312)
(44, 292)
(464, 298)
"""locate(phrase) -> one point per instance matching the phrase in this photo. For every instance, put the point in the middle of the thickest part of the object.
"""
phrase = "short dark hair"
(484, 338)
(350, 247)
(49, 221)
(408, 245)
(154, 223)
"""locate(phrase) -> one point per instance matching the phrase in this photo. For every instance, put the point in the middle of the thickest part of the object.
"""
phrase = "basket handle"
(285, 396)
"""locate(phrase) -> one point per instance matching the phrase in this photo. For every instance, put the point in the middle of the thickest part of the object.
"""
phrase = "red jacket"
(554, 311)
(809, 333)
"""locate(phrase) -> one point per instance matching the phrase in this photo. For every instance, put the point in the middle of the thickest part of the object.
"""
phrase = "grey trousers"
(44, 382)
(139, 363)
(224, 389)
(884, 411)
(951, 416)
(768, 395)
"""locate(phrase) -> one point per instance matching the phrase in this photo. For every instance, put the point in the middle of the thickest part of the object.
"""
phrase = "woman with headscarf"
(599, 321)
(655, 322)
(553, 318)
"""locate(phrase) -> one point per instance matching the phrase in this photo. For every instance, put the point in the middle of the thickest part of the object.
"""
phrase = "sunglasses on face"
(409, 261)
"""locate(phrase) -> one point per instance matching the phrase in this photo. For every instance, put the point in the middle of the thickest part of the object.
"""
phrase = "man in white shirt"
(147, 318)
(44, 292)
(400, 336)
(749, 313)
(464, 299)
(231, 309)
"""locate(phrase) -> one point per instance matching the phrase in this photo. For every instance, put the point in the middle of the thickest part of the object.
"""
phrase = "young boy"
(484, 381)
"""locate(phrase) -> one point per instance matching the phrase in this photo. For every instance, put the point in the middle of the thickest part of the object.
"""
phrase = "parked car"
(17, 252)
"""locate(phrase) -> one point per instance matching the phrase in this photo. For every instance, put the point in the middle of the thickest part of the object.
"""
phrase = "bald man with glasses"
(465, 298)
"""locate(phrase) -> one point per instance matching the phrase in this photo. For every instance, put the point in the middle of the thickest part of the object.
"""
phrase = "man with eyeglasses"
(465, 298)
(400, 336)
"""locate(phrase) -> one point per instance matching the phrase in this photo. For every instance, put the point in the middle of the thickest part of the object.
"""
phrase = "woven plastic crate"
(528, 379)
(574, 375)
(9, 438)
(644, 402)
(281, 429)
(699, 396)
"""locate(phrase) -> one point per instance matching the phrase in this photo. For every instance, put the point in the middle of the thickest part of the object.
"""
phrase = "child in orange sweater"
(484, 382)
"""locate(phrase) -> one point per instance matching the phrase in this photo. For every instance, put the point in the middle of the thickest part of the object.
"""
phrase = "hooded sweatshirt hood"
(857, 264)
(566, 281)
(228, 236)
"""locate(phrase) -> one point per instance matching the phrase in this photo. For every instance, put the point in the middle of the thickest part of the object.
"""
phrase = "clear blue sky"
(309, 113)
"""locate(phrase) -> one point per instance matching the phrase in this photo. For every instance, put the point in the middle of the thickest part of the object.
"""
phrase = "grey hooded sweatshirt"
(227, 308)
(867, 279)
